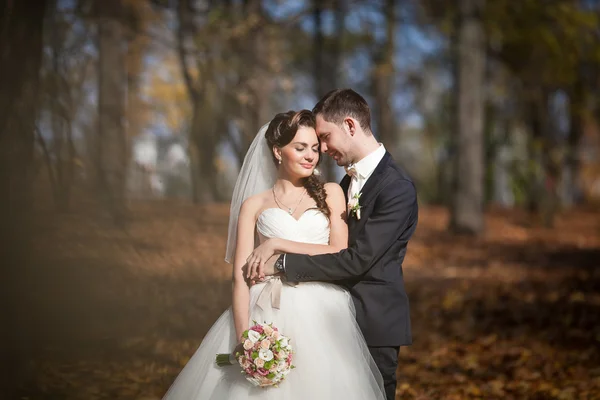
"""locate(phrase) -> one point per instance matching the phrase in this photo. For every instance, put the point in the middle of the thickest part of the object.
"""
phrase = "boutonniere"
(354, 206)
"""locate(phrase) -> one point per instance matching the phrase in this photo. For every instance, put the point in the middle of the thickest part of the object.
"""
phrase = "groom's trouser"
(386, 359)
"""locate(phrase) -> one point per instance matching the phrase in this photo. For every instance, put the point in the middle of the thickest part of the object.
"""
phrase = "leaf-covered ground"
(513, 315)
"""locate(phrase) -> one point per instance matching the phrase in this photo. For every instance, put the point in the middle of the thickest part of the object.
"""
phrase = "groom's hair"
(341, 103)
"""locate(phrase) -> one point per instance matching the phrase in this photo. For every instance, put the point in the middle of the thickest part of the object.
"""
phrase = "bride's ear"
(277, 153)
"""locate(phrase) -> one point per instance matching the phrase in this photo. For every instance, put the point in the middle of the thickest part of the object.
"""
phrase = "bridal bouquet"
(267, 355)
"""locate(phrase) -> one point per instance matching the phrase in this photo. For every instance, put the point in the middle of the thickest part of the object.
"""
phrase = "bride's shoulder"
(253, 204)
(333, 189)
(335, 194)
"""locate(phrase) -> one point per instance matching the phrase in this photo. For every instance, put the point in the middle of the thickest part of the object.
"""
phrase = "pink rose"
(248, 344)
(262, 371)
(265, 344)
(275, 335)
(258, 328)
(268, 330)
(259, 363)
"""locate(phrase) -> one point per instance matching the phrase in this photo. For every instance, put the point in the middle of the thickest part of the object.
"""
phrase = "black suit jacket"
(371, 266)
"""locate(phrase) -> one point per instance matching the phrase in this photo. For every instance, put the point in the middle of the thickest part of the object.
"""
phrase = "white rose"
(266, 355)
(283, 342)
(353, 202)
(253, 336)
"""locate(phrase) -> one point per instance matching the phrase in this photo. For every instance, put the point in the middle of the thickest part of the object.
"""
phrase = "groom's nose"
(323, 147)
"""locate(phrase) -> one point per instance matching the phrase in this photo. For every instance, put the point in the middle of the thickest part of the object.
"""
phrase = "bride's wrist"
(275, 244)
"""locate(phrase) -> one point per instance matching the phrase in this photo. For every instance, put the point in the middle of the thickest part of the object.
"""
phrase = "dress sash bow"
(271, 293)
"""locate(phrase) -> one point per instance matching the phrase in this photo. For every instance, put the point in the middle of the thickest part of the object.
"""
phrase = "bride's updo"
(281, 131)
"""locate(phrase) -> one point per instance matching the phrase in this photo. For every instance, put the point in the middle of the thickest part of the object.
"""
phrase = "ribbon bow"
(271, 293)
(351, 170)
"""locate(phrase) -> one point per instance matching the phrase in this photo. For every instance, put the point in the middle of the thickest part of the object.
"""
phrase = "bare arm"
(338, 237)
(244, 246)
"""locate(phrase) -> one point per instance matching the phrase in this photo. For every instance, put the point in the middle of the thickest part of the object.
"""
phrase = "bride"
(284, 204)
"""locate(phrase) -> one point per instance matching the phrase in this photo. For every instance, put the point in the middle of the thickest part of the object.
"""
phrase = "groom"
(382, 216)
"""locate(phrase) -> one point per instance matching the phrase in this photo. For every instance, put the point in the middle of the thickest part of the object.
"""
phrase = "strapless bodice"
(311, 227)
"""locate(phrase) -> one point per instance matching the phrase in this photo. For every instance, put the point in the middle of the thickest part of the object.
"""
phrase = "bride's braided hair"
(281, 132)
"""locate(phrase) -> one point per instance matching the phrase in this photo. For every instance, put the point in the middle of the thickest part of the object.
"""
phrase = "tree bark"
(467, 206)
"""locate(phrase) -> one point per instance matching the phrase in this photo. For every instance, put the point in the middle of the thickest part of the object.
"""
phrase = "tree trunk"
(326, 64)
(319, 73)
(205, 140)
(383, 81)
(540, 176)
(21, 28)
(467, 207)
(202, 141)
(112, 143)
(573, 163)
(61, 114)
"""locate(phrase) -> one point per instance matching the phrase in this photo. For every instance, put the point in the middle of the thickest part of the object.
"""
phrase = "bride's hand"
(256, 260)
(239, 349)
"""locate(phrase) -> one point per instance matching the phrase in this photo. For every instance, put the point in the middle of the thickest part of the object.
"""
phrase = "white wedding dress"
(330, 355)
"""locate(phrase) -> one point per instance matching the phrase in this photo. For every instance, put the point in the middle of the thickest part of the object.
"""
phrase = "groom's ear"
(350, 125)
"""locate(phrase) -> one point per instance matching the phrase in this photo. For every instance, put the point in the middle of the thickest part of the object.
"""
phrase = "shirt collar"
(366, 166)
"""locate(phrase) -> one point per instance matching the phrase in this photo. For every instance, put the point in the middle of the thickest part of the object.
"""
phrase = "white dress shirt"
(363, 169)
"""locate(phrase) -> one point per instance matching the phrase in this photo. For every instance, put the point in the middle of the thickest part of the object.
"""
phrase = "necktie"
(353, 188)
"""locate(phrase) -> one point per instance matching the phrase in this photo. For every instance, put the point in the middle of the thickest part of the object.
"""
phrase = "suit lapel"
(345, 184)
(369, 190)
